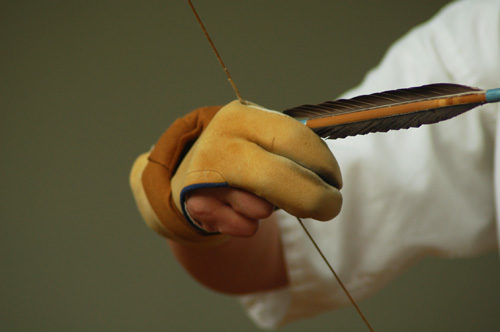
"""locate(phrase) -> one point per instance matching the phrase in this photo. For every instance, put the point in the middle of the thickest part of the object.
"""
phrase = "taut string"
(236, 91)
(336, 276)
(212, 45)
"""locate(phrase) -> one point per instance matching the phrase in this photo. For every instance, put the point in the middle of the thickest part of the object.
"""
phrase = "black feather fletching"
(387, 99)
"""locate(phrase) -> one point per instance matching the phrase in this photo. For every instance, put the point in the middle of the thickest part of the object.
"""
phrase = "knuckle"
(199, 209)
(239, 228)
(264, 210)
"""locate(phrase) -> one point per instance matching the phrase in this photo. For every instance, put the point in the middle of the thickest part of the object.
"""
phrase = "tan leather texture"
(151, 175)
(244, 146)
(269, 154)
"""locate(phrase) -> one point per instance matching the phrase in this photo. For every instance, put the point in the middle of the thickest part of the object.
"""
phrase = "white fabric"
(408, 193)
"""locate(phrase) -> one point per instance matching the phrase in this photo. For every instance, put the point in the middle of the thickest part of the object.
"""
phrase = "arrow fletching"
(391, 110)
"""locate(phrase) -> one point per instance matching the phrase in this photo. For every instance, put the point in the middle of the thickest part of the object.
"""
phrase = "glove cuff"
(151, 180)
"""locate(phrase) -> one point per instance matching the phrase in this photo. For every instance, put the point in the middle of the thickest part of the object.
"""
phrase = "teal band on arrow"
(492, 95)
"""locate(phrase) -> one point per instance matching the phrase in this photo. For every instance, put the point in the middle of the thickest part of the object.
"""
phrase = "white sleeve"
(408, 193)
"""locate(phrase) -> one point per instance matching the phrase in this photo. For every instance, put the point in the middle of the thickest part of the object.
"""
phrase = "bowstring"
(351, 299)
(212, 45)
(237, 92)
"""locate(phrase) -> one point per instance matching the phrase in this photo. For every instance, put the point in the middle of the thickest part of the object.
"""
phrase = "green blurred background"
(85, 86)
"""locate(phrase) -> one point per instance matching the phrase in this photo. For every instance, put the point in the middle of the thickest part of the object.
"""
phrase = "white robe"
(408, 193)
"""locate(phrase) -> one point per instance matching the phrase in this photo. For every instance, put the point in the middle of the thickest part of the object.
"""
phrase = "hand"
(266, 153)
(272, 158)
(227, 210)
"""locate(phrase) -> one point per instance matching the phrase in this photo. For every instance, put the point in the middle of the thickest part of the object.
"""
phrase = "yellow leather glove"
(261, 151)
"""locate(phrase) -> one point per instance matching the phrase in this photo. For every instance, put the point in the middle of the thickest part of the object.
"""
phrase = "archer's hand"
(266, 153)
(273, 159)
